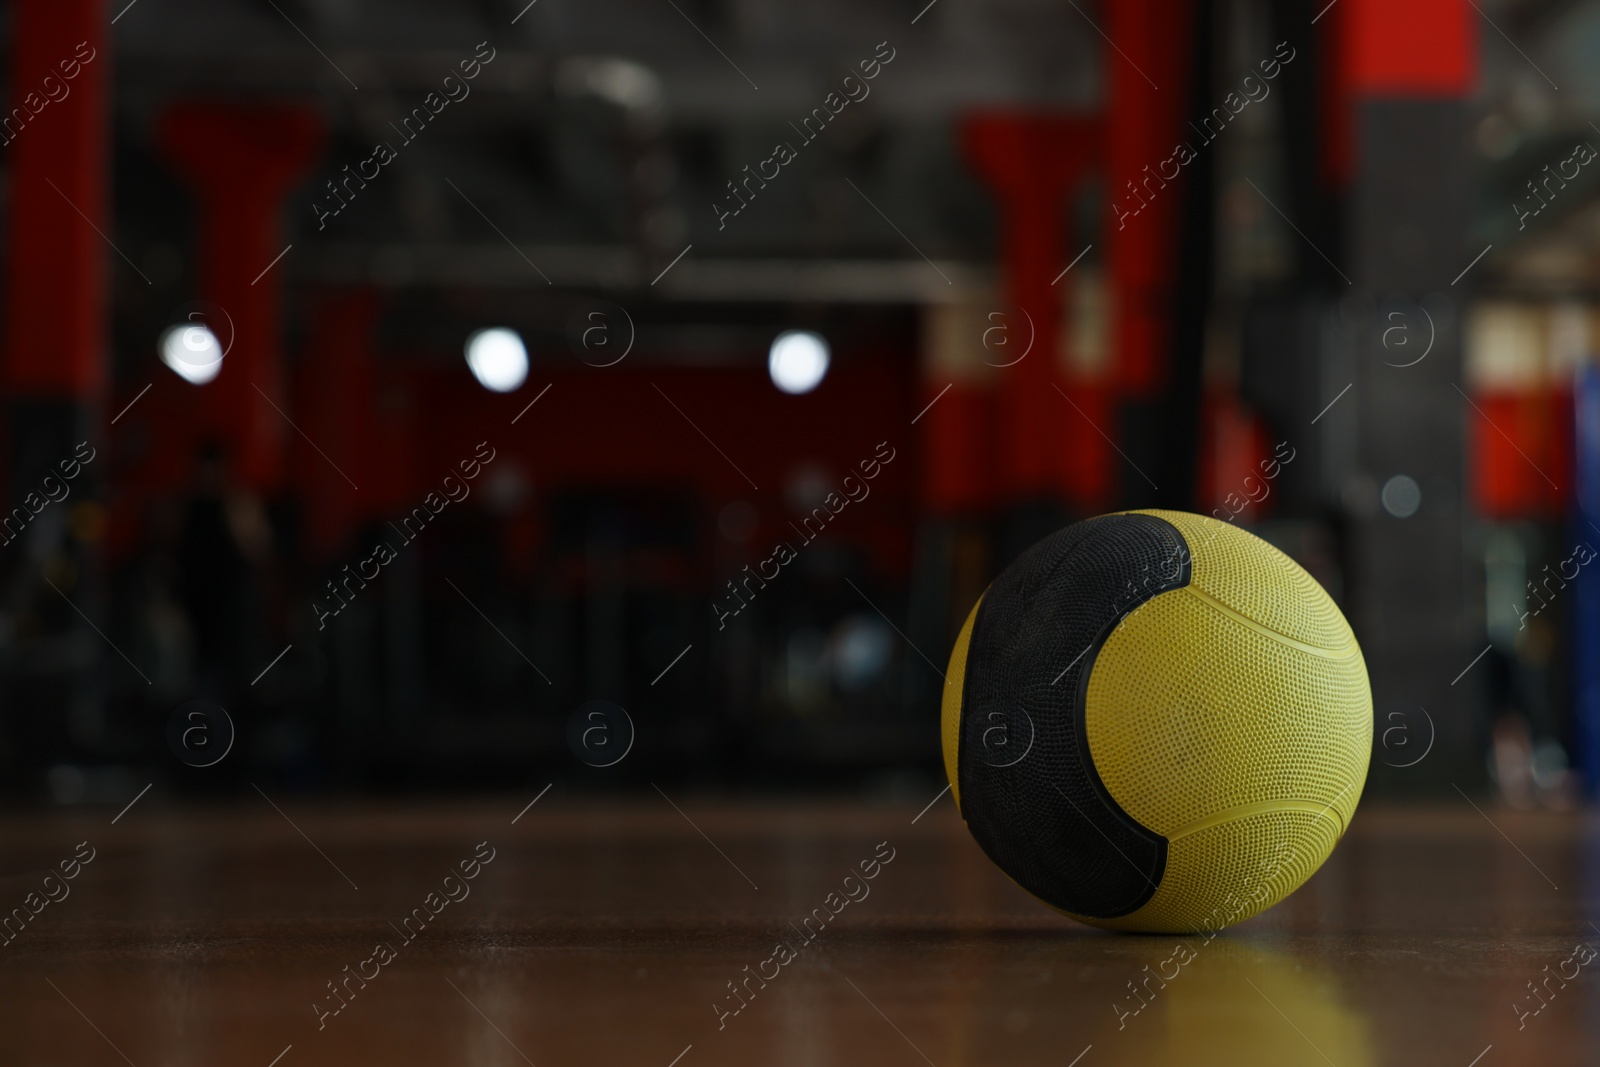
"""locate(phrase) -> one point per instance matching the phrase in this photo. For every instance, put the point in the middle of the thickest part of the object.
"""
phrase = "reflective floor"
(615, 934)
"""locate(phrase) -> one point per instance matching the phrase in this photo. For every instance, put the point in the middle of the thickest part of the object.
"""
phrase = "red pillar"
(1032, 162)
(242, 160)
(55, 261)
(1148, 84)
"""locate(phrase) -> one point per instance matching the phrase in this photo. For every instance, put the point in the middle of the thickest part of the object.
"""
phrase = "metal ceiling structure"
(597, 141)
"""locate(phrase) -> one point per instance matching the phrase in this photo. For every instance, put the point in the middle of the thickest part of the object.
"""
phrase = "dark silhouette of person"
(225, 538)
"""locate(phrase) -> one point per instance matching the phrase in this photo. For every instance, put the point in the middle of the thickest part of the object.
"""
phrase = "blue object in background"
(1586, 604)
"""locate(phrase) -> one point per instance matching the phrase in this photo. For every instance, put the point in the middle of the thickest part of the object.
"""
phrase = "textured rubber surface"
(1027, 786)
(1233, 717)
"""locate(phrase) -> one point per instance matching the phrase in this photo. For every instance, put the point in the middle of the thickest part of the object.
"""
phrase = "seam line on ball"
(1245, 811)
(1266, 631)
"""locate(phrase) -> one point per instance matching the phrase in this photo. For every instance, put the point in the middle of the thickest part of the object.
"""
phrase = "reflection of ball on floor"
(1156, 721)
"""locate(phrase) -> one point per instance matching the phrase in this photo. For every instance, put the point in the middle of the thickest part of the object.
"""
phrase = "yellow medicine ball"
(1157, 721)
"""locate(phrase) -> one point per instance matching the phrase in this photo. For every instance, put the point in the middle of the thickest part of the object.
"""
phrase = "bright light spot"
(859, 651)
(620, 81)
(192, 352)
(498, 359)
(1401, 496)
(798, 361)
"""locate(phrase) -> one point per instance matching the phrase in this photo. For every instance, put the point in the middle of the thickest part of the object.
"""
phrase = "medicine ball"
(1156, 721)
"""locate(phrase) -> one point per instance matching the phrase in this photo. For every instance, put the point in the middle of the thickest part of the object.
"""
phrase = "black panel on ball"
(1029, 791)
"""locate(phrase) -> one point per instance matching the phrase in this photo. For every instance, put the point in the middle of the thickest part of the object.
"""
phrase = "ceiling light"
(798, 361)
(192, 352)
(498, 359)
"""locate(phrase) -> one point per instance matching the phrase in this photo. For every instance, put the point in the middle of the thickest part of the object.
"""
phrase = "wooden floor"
(608, 934)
